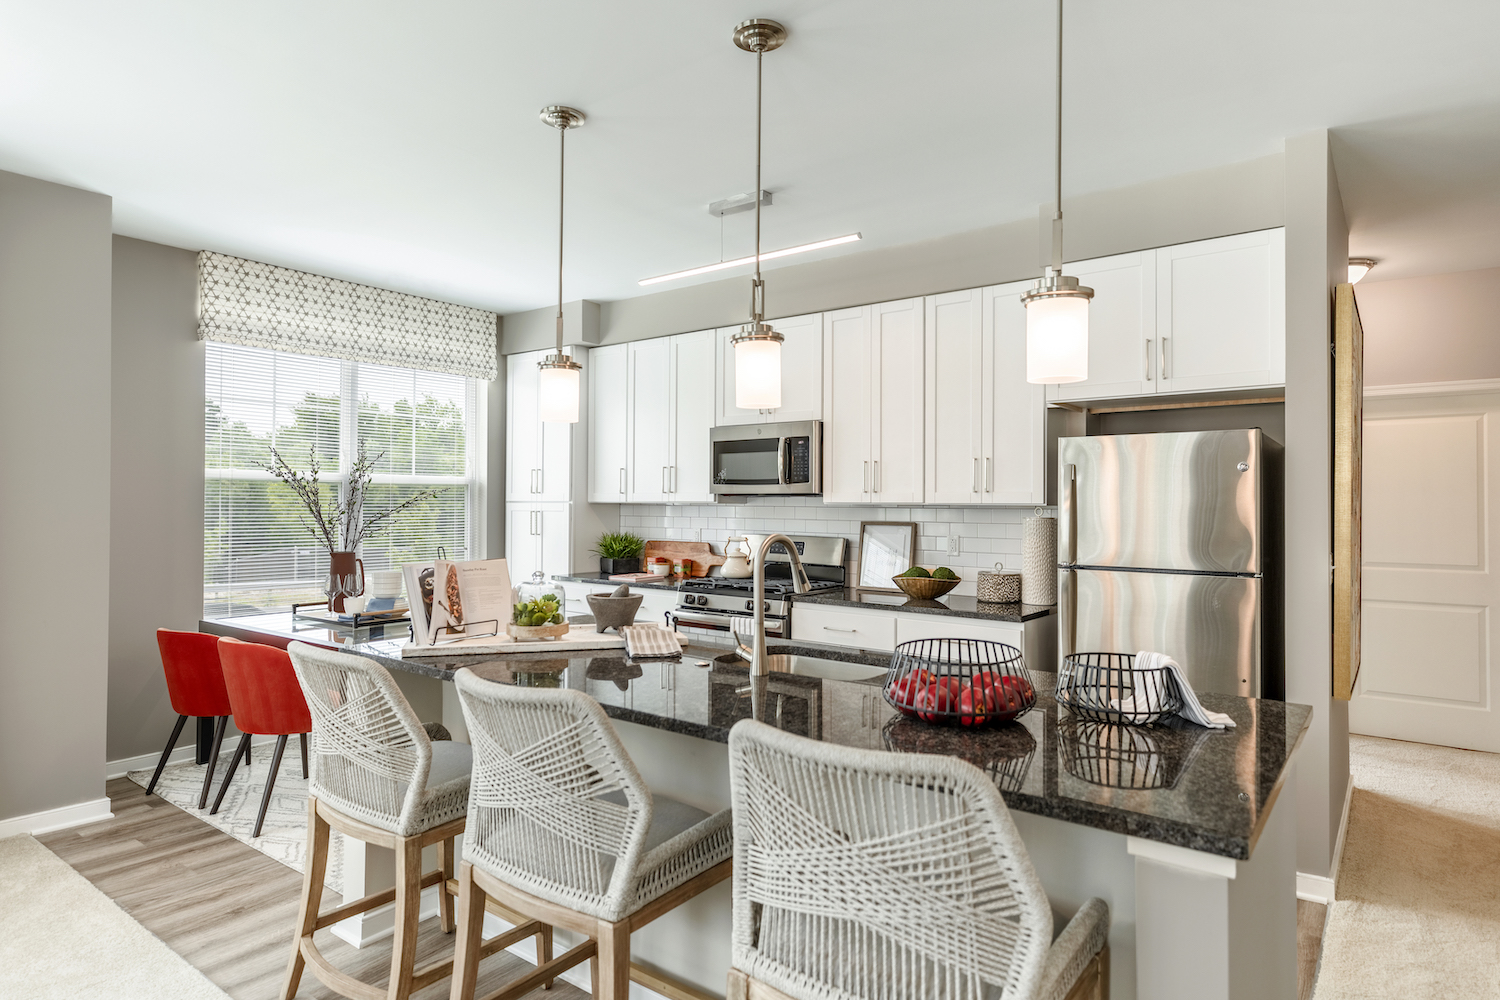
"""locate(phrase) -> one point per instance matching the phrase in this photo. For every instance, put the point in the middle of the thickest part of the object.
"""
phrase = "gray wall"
(54, 493)
(1218, 202)
(1435, 328)
(1317, 250)
(156, 484)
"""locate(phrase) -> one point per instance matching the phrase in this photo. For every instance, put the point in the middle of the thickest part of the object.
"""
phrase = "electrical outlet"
(697, 534)
(953, 545)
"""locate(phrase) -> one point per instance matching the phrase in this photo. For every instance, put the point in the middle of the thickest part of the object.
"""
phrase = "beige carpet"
(63, 939)
(1417, 909)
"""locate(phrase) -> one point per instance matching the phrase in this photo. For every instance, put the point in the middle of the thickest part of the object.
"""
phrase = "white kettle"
(736, 560)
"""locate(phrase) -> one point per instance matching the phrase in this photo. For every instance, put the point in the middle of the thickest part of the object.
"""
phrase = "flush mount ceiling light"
(757, 347)
(557, 392)
(1057, 309)
(1359, 267)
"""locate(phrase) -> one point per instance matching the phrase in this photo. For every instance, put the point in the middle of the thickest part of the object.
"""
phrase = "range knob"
(749, 605)
(703, 599)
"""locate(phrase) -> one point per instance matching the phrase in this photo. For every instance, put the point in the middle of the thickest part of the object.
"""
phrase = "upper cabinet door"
(650, 390)
(1221, 312)
(801, 374)
(1122, 327)
(609, 422)
(847, 392)
(897, 469)
(1014, 467)
(692, 416)
(955, 396)
(523, 426)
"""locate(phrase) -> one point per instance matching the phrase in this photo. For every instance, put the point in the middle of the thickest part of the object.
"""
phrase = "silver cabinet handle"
(830, 628)
(1166, 357)
(976, 475)
(674, 479)
(989, 476)
(1149, 359)
(875, 477)
(664, 480)
(866, 480)
(622, 482)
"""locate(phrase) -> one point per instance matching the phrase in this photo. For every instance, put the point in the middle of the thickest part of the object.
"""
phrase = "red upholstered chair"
(196, 686)
(267, 701)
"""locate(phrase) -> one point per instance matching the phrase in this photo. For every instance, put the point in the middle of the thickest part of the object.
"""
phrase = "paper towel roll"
(1039, 560)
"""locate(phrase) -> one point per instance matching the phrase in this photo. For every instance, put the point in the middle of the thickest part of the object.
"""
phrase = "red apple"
(973, 706)
(935, 701)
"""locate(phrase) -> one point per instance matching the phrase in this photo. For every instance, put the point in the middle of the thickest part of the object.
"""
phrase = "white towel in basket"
(1192, 709)
(646, 641)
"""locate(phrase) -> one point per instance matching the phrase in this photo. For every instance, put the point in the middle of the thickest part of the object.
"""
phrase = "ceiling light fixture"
(1359, 267)
(1057, 308)
(768, 255)
(557, 392)
(757, 347)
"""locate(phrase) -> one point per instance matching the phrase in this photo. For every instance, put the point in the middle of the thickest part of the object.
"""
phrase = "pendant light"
(557, 393)
(757, 347)
(1057, 309)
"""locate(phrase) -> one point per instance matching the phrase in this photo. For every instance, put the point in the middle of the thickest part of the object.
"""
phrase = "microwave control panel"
(799, 456)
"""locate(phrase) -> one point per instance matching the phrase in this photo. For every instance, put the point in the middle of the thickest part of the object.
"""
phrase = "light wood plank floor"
(227, 908)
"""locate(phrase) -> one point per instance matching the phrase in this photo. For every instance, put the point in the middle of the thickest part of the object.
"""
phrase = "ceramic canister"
(1039, 560)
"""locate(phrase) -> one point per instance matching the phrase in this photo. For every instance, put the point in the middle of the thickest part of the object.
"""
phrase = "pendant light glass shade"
(1057, 340)
(757, 373)
(557, 391)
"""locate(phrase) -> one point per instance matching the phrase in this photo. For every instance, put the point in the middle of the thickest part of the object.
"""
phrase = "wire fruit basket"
(959, 682)
(1109, 687)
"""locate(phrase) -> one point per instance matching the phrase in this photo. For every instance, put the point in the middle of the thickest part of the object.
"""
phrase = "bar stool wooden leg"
(408, 910)
(302, 738)
(312, 895)
(612, 963)
(544, 950)
(471, 902)
(445, 901)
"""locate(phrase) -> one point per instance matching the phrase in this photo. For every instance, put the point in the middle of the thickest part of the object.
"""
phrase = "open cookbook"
(457, 600)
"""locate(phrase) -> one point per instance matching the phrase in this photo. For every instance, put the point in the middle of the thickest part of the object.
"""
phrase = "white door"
(955, 402)
(847, 386)
(523, 541)
(609, 422)
(897, 466)
(1122, 327)
(801, 374)
(1014, 466)
(692, 416)
(650, 420)
(523, 428)
(1431, 591)
(1221, 313)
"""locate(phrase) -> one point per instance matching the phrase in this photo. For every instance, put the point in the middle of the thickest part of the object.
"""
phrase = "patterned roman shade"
(262, 305)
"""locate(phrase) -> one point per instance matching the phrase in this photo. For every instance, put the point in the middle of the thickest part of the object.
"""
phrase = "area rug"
(284, 835)
(62, 939)
(1417, 898)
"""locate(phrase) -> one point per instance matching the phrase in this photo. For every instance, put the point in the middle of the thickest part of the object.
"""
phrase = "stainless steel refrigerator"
(1172, 543)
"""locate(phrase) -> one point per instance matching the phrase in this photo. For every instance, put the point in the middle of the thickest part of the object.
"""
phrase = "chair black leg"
(234, 762)
(176, 732)
(302, 737)
(213, 760)
(265, 798)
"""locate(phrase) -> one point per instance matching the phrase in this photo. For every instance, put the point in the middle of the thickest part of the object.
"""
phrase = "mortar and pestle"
(614, 610)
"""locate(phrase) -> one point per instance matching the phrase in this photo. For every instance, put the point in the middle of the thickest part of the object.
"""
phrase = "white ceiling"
(398, 143)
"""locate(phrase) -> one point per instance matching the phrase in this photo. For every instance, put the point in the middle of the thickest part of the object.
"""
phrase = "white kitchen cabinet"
(538, 536)
(1122, 327)
(801, 374)
(844, 627)
(883, 628)
(650, 420)
(690, 478)
(538, 456)
(1013, 415)
(873, 403)
(671, 407)
(609, 423)
(1221, 313)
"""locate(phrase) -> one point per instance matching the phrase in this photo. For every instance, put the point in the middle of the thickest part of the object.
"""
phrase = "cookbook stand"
(356, 621)
(443, 638)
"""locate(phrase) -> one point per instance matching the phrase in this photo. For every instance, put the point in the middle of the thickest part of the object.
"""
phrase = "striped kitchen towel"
(647, 641)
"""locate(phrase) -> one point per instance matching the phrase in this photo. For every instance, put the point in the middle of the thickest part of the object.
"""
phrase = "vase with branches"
(338, 519)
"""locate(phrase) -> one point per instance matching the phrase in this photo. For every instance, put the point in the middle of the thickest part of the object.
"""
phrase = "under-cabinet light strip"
(768, 255)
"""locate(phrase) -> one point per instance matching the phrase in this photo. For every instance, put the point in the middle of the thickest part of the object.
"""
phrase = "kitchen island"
(1173, 826)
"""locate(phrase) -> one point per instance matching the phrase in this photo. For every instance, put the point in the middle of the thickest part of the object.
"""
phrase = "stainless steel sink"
(812, 666)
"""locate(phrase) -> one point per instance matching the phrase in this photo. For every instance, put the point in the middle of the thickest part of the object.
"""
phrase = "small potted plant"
(619, 552)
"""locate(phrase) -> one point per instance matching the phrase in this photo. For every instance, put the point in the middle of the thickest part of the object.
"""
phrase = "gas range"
(719, 604)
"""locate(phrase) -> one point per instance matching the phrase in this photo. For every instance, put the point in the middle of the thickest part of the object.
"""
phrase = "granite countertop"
(604, 581)
(952, 605)
(1203, 789)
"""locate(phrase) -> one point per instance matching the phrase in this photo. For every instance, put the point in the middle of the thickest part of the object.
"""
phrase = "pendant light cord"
(1057, 205)
(757, 294)
(562, 151)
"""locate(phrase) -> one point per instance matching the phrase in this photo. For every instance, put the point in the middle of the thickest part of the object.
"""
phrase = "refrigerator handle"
(1067, 613)
(1067, 513)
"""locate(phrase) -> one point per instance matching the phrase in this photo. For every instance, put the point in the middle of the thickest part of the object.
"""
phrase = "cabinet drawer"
(865, 630)
(911, 627)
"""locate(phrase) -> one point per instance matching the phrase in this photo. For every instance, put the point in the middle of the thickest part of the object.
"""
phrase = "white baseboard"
(48, 820)
(184, 753)
(1320, 888)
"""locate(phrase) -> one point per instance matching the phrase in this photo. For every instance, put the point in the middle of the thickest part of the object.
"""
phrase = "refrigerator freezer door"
(1208, 624)
(1164, 501)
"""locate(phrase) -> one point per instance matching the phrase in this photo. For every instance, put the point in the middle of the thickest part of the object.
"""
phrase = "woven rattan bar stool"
(376, 777)
(884, 876)
(563, 830)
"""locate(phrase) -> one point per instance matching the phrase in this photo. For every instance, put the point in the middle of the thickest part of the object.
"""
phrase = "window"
(258, 555)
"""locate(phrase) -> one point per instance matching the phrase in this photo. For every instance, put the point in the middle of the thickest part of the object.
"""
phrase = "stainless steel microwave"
(767, 459)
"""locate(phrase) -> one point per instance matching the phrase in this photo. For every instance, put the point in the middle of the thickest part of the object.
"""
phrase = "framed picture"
(886, 549)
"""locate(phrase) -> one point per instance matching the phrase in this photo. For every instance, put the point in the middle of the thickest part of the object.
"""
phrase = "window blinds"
(258, 555)
(261, 305)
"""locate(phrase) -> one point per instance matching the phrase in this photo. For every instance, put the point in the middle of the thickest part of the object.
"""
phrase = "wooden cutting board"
(701, 553)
